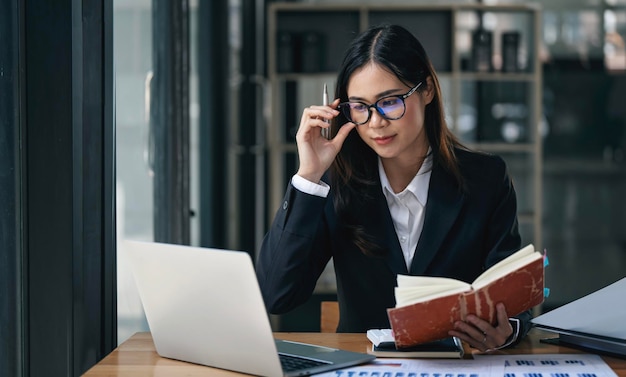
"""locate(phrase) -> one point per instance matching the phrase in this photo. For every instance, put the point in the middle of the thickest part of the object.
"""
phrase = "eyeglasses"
(390, 107)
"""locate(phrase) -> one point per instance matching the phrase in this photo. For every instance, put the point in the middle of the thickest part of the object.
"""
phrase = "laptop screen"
(204, 306)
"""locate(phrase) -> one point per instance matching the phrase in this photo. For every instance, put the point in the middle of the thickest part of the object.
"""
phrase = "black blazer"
(465, 232)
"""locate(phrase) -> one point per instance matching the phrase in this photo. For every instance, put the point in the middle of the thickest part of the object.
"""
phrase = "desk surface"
(137, 356)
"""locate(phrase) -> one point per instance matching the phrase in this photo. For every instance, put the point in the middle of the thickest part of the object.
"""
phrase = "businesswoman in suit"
(392, 193)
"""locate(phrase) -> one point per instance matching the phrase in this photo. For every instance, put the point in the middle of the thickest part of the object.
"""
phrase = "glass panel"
(194, 126)
(133, 64)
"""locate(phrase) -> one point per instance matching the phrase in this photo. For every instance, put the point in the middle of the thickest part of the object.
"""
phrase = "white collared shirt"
(407, 207)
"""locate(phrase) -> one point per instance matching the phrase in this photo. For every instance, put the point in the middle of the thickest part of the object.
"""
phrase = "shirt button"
(403, 239)
(285, 204)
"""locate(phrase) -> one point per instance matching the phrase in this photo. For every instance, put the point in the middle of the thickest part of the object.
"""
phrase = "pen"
(325, 131)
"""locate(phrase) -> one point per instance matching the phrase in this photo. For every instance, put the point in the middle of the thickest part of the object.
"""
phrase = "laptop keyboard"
(291, 363)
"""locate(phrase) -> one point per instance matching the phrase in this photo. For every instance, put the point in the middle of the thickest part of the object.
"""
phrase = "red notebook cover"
(431, 320)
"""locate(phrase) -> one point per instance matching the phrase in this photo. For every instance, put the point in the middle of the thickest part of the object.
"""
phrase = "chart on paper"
(548, 365)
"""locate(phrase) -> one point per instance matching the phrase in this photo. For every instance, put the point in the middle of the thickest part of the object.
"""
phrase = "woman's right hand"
(315, 152)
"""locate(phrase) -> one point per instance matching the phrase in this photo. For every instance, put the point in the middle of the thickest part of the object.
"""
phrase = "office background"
(85, 92)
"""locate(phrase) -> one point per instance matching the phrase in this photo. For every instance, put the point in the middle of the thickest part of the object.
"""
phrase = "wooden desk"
(137, 356)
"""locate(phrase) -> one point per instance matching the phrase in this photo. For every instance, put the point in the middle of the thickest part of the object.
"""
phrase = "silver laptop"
(593, 322)
(204, 306)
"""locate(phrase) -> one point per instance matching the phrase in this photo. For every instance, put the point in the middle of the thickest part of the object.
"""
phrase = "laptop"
(594, 322)
(204, 306)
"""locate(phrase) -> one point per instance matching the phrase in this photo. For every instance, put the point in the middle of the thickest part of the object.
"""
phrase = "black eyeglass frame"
(345, 106)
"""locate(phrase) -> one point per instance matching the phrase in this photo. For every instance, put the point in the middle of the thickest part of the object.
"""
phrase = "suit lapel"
(443, 206)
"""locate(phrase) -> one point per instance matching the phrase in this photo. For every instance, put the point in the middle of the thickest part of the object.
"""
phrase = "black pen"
(325, 131)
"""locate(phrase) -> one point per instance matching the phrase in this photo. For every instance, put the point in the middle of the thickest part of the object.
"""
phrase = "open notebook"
(204, 306)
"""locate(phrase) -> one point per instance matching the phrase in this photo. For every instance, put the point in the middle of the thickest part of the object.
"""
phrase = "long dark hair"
(355, 167)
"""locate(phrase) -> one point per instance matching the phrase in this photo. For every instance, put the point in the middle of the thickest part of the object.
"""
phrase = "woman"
(403, 196)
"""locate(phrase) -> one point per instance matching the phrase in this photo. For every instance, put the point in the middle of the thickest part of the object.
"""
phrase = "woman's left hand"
(480, 334)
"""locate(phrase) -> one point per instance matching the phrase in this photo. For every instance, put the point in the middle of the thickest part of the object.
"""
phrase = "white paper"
(550, 365)
(421, 368)
(546, 365)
